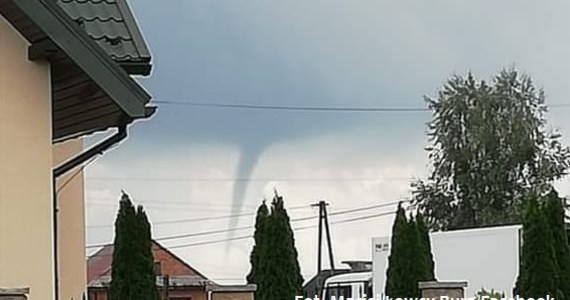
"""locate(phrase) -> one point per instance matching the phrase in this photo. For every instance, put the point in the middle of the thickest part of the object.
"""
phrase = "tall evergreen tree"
(489, 150)
(259, 239)
(147, 275)
(410, 260)
(425, 249)
(554, 212)
(537, 271)
(280, 274)
(132, 269)
(417, 264)
(397, 285)
(122, 271)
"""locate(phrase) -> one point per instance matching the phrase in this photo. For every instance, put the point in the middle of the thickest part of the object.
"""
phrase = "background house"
(184, 282)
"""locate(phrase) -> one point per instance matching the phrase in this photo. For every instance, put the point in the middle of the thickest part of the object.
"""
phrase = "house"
(183, 281)
(65, 72)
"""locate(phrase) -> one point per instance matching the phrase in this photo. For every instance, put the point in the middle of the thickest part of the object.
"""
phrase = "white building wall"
(484, 257)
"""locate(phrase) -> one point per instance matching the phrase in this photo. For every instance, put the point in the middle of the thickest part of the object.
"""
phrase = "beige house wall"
(71, 214)
(26, 257)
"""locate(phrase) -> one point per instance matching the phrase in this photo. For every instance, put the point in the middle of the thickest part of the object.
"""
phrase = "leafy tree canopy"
(489, 150)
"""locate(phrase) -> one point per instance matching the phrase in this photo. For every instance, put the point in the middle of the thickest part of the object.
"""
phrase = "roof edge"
(90, 57)
(134, 29)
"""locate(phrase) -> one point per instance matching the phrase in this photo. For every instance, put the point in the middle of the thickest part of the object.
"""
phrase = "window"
(337, 291)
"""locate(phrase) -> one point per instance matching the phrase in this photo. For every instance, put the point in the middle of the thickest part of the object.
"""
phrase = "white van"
(353, 285)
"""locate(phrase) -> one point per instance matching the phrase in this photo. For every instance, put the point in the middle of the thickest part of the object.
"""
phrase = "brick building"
(183, 281)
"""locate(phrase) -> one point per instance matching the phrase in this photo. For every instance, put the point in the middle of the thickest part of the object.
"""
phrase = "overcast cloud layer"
(306, 53)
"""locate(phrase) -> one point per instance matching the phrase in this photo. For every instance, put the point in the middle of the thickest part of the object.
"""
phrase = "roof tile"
(90, 10)
(112, 25)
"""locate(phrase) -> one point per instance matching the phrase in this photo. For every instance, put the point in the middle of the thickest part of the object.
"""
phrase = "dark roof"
(111, 24)
(91, 92)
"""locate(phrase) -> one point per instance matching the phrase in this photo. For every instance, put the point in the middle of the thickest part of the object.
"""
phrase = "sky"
(183, 163)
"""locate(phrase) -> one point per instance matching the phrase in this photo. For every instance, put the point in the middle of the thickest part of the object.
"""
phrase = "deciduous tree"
(489, 150)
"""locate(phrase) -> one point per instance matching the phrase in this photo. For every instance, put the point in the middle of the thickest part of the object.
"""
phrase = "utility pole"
(323, 221)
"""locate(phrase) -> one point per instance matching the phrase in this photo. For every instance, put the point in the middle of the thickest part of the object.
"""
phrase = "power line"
(167, 207)
(353, 109)
(293, 108)
(173, 179)
(363, 218)
(237, 238)
(182, 201)
(367, 207)
(185, 202)
(195, 234)
(187, 220)
(203, 218)
(367, 217)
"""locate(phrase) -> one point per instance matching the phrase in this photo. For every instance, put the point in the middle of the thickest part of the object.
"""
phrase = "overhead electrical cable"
(201, 219)
(292, 108)
(367, 217)
(204, 233)
(353, 109)
(284, 179)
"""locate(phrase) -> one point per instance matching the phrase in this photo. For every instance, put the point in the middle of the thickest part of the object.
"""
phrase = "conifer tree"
(410, 260)
(132, 269)
(554, 212)
(425, 248)
(280, 274)
(417, 264)
(396, 284)
(122, 272)
(537, 271)
(260, 238)
(147, 276)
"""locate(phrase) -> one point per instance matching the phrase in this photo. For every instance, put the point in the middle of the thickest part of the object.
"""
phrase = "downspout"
(63, 169)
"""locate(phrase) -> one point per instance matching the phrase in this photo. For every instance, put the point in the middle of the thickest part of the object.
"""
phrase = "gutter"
(95, 150)
(67, 166)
